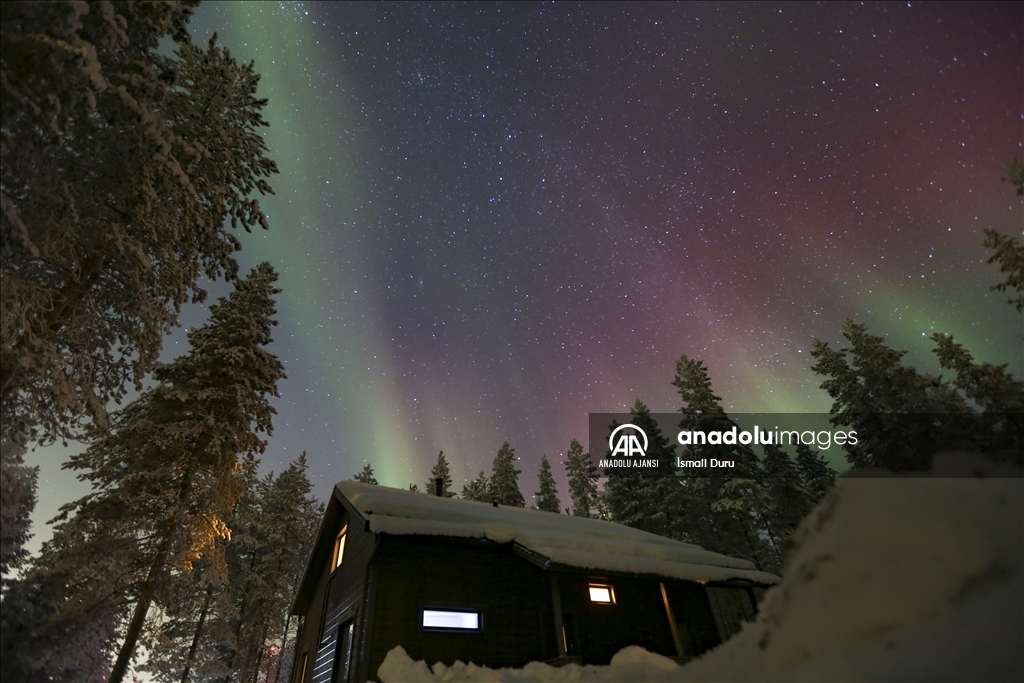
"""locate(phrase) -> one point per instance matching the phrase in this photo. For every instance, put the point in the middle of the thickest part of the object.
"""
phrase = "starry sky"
(494, 219)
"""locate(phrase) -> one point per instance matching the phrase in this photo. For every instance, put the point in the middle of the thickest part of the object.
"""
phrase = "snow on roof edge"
(574, 541)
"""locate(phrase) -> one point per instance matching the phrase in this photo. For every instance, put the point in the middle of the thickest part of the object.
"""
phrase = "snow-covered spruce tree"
(163, 478)
(17, 501)
(504, 484)
(582, 481)
(442, 471)
(478, 489)
(120, 166)
(292, 511)
(365, 475)
(547, 496)
(200, 618)
(264, 571)
(725, 513)
(816, 476)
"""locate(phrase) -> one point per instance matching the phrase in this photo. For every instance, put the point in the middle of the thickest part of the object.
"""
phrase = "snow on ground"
(891, 579)
(575, 541)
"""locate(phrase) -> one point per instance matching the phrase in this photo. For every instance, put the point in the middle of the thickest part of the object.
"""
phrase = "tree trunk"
(259, 656)
(124, 657)
(284, 644)
(131, 638)
(199, 631)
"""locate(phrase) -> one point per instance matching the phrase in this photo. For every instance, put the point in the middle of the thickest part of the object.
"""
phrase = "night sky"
(494, 219)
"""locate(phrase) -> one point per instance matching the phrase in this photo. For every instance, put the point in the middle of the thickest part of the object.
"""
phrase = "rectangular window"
(602, 593)
(339, 548)
(451, 620)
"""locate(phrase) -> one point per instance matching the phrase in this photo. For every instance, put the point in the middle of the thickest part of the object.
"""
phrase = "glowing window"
(451, 620)
(339, 548)
(602, 594)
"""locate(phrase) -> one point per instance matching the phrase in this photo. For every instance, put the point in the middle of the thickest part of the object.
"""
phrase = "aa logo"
(628, 444)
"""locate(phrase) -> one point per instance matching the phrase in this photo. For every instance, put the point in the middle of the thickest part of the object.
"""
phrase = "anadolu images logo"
(628, 445)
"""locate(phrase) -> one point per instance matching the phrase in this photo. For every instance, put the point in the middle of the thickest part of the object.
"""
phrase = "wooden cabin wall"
(731, 606)
(338, 599)
(412, 573)
(636, 618)
(695, 619)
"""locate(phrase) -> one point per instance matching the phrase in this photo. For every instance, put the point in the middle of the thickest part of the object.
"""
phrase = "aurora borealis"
(494, 219)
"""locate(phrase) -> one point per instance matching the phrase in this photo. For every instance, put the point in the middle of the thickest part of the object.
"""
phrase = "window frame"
(592, 585)
(338, 556)
(452, 610)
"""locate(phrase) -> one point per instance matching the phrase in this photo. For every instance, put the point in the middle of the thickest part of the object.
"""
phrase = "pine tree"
(221, 628)
(725, 513)
(366, 475)
(17, 501)
(504, 484)
(163, 479)
(815, 474)
(478, 489)
(282, 540)
(1008, 251)
(790, 501)
(102, 240)
(547, 496)
(1009, 254)
(582, 481)
(440, 470)
(990, 387)
(892, 407)
(646, 499)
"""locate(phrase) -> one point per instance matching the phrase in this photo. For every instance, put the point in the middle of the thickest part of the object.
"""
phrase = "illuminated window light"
(602, 594)
(451, 620)
(339, 548)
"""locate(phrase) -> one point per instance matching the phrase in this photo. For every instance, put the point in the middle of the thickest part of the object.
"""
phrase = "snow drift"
(890, 579)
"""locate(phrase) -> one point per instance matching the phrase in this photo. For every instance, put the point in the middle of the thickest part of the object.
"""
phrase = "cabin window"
(451, 620)
(339, 548)
(602, 593)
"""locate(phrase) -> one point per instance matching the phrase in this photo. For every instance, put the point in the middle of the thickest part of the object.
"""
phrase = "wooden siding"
(731, 606)
(636, 618)
(338, 597)
(414, 573)
(694, 617)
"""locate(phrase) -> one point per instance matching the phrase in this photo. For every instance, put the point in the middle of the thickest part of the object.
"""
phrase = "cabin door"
(343, 652)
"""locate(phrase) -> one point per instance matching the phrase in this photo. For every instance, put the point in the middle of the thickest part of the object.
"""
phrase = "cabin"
(450, 579)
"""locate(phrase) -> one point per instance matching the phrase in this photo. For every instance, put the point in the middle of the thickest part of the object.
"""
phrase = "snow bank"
(631, 664)
(895, 579)
(574, 541)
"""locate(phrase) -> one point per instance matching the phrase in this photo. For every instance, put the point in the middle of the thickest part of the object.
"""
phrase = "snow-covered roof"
(561, 539)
